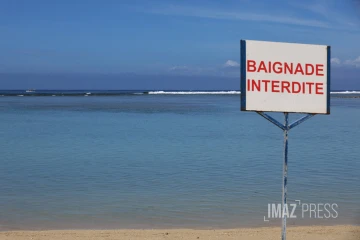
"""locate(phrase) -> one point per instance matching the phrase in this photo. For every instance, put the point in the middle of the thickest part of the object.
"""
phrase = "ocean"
(139, 159)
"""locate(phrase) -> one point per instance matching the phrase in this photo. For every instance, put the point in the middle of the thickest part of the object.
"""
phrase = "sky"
(163, 44)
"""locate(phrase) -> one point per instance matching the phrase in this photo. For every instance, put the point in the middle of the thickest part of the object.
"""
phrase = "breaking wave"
(346, 92)
(98, 93)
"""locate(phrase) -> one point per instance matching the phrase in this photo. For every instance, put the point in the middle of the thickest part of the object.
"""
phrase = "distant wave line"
(344, 93)
(195, 92)
(226, 92)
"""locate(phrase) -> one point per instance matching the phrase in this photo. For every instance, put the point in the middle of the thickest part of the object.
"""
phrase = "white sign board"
(285, 77)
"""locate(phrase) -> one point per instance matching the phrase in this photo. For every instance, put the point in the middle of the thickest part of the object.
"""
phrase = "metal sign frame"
(285, 127)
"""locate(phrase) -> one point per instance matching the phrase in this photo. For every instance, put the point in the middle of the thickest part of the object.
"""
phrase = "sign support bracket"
(286, 128)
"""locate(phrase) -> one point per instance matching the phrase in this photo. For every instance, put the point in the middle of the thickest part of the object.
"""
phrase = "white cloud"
(179, 68)
(327, 10)
(350, 62)
(190, 70)
(191, 11)
(335, 61)
(353, 62)
(231, 63)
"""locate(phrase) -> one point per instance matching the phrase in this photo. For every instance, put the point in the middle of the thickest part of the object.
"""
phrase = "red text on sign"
(278, 86)
(307, 69)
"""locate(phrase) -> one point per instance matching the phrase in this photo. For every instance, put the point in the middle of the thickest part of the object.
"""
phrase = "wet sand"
(294, 233)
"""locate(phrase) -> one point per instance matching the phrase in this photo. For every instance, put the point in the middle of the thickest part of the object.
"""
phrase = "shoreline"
(348, 232)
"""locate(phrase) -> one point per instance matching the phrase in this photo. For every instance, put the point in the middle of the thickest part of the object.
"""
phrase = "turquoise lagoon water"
(168, 161)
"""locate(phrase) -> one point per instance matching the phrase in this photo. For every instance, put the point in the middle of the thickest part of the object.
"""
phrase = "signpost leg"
(286, 128)
(285, 172)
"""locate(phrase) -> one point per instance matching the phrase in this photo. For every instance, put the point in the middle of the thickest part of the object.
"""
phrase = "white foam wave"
(195, 92)
(346, 92)
(20, 95)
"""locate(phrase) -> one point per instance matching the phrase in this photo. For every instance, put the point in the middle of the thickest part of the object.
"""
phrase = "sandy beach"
(294, 233)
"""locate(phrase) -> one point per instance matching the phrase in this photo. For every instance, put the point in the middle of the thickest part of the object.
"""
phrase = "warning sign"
(285, 77)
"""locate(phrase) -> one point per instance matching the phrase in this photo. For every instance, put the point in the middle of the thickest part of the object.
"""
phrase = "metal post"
(285, 172)
(286, 128)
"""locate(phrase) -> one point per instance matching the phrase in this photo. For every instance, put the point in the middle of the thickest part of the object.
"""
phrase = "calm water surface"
(152, 161)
